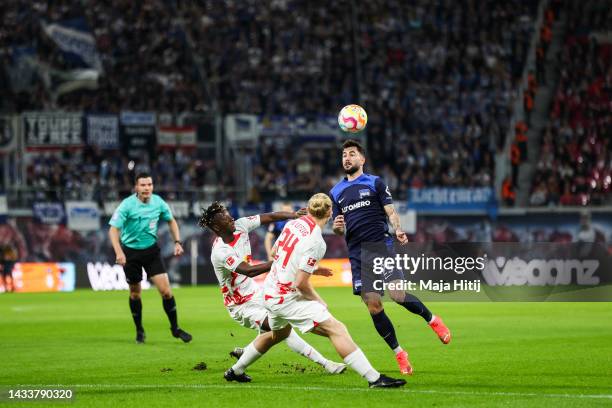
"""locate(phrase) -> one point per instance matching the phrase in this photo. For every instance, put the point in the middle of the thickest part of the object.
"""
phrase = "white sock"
(249, 356)
(398, 349)
(433, 317)
(297, 344)
(358, 362)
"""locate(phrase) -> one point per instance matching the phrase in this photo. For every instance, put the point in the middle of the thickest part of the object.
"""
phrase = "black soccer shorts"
(136, 259)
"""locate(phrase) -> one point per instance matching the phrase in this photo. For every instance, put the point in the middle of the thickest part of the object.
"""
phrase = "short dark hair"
(141, 175)
(209, 213)
(353, 143)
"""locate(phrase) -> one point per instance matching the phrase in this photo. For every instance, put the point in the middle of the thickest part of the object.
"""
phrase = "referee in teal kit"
(133, 233)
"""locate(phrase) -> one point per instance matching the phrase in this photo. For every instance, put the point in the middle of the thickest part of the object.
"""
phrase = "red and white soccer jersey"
(299, 247)
(241, 295)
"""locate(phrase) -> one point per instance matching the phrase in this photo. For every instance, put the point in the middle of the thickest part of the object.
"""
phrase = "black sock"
(170, 308)
(413, 304)
(384, 327)
(136, 308)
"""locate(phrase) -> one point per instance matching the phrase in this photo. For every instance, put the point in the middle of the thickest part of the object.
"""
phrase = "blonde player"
(292, 301)
(231, 257)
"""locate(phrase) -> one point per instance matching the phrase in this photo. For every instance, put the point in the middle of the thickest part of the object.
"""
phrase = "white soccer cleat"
(334, 368)
(236, 352)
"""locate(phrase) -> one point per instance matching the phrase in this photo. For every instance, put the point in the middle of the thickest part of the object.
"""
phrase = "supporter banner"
(8, 132)
(74, 38)
(69, 81)
(49, 213)
(138, 134)
(317, 128)
(176, 136)
(445, 199)
(83, 215)
(54, 130)
(103, 131)
(44, 277)
(241, 127)
(137, 118)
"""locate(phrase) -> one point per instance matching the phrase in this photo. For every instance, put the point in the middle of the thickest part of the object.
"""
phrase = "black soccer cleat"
(140, 336)
(181, 334)
(230, 375)
(387, 382)
(236, 352)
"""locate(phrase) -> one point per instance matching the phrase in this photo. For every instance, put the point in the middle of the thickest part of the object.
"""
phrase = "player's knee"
(374, 304)
(135, 291)
(166, 294)
(335, 327)
(397, 296)
(282, 334)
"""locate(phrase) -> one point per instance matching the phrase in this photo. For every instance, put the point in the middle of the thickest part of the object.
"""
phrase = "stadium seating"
(435, 79)
(438, 78)
(575, 166)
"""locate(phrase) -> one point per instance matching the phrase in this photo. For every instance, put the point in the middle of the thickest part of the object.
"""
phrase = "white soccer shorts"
(304, 315)
(251, 314)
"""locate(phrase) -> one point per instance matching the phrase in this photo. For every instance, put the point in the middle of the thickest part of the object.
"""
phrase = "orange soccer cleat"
(441, 330)
(404, 363)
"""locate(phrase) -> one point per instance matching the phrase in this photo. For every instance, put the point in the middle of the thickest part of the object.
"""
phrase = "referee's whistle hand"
(178, 249)
(120, 259)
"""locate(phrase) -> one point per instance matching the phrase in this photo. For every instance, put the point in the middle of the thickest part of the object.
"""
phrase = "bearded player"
(231, 259)
(292, 301)
(361, 205)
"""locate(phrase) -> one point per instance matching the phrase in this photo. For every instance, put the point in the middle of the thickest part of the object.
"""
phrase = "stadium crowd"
(144, 61)
(89, 174)
(438, 80)
(575, 164)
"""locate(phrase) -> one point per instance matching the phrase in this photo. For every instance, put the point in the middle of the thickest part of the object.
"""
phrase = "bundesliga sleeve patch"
(230, 261)
(311, 262)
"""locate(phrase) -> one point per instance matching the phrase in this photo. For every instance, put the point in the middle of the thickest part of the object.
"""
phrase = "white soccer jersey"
(236, 289)
(299, 247)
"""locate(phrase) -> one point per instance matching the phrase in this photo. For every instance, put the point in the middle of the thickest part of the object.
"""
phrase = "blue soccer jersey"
(362, 202)
(277, 227)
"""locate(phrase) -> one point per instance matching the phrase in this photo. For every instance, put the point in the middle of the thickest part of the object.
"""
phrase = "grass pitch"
(502, 354)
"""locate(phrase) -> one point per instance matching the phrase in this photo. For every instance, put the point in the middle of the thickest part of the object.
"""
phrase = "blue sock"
(385, 329)
(414, 305)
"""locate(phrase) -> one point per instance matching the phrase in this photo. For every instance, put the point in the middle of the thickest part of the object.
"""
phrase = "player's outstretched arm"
(268, 218)
(302, 283)
(251, 271)
(268, 242)
(395, 223)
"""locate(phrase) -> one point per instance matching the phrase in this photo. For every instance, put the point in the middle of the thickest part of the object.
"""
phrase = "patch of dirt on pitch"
(165, 370)
(294, 368)
(201, 366)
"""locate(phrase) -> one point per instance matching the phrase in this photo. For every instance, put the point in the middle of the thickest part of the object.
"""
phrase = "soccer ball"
(352, 118)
